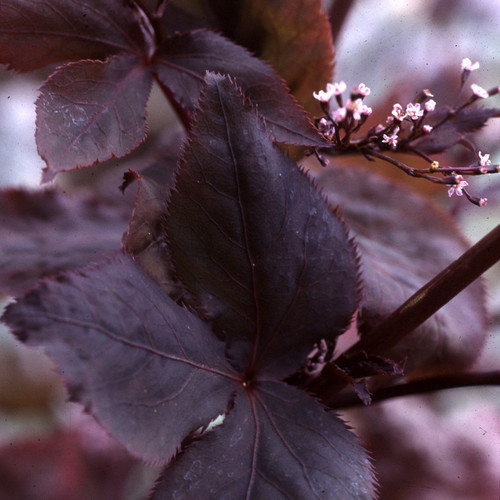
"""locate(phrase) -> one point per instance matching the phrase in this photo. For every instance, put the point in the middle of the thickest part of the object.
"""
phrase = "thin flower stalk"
(405, 128)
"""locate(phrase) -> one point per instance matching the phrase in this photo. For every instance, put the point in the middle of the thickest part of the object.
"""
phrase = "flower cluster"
(347, 116)
(404, 130)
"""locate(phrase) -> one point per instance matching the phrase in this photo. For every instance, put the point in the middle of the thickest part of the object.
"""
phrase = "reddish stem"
(432, 296)
(417, 309)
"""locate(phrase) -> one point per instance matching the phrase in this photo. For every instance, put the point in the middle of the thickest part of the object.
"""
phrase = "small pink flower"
(483, 202)
(392, 140)
(430, 105)
(427, 129)
(365, 110)
(361, 89)
(331, 90)
(324, 125)
(356, 107)
(414, 111)
(323, 96)
(468, 66)
(484, 159)
(339, 115)
(479, 91)
(338, 88)
(397, 112)
(458, 187)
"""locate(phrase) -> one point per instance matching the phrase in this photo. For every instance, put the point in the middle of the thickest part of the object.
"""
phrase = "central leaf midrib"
(251, 263)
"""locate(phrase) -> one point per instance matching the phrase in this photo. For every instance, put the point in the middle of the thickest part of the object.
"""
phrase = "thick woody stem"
(417, 309)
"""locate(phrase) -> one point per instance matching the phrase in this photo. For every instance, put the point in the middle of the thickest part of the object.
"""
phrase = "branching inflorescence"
(418, 128)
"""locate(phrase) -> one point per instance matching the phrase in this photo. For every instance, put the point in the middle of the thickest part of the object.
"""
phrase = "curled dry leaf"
(246, 237)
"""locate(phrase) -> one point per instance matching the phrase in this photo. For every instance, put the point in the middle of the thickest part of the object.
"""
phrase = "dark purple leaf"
(149, 370)
(279, 443)
(91, 111)
(183, 59)
(447, 135)
(404, 241)
(254, 241)
(154, 374)
(44, 232)
(36, 33)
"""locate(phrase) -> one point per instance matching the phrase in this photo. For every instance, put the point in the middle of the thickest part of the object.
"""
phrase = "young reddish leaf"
(254, 241)
(405, 240)
(278, 443)
(34, 34)
(183, 59)
(91, 111)
(151, 371)
(456, 128)
(44, 232)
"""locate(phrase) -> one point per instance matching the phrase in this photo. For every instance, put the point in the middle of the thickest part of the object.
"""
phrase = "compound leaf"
(155, 375)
